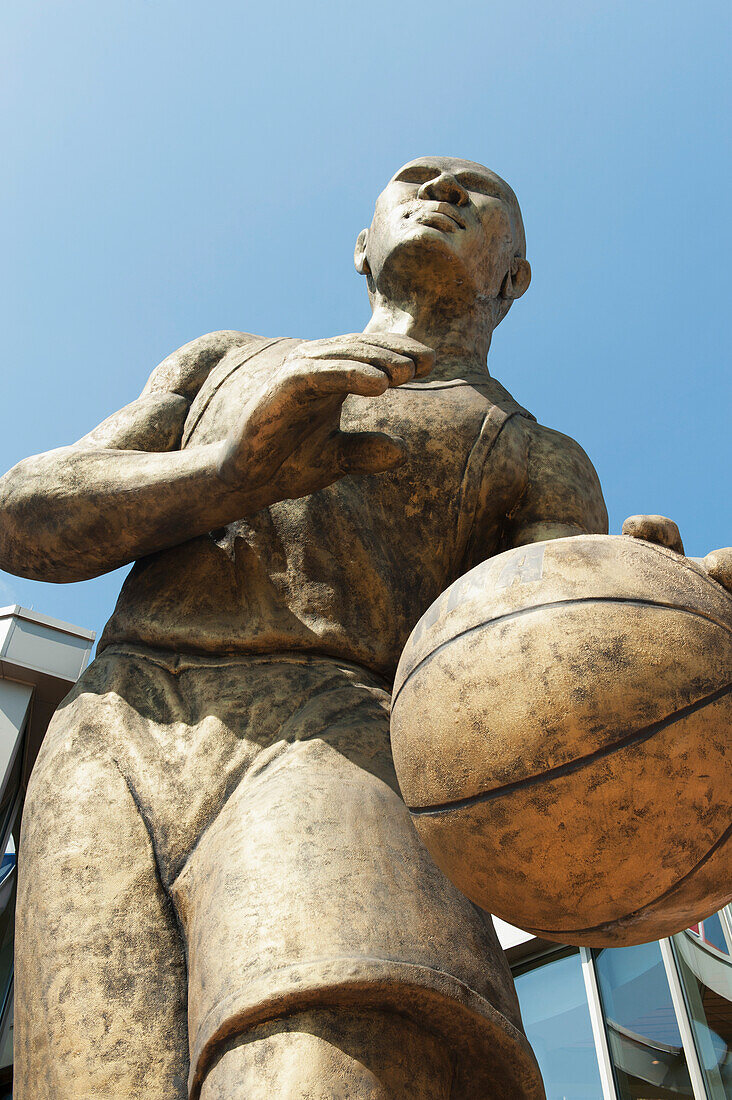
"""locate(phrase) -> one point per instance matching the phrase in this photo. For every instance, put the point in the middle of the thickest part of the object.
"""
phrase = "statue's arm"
(122, 491)
(561, 494)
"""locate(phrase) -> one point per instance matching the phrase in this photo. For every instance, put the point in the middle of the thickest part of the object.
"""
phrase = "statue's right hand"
(289, 438)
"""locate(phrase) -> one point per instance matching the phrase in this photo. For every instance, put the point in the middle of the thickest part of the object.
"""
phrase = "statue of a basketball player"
(221, 894)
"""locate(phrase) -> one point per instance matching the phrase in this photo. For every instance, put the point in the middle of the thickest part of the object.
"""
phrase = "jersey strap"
(493, 424)
(228, 365)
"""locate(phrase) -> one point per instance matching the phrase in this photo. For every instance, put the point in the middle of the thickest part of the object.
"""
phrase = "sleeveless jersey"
(347, 571)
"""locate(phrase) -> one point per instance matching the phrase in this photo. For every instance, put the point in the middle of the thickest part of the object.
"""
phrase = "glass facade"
(8, 879)
(706, 975)
(712, 932)
(558, 1026)
(663, 1014)
(643, 1034)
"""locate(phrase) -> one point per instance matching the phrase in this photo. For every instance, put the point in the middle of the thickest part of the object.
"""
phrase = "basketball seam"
(648, 905)
(543, 607)
(635, 738)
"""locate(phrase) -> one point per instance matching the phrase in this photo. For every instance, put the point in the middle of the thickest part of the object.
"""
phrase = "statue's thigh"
(100, 974)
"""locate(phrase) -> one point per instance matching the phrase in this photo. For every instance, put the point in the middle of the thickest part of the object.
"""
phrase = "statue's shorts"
(267, 789)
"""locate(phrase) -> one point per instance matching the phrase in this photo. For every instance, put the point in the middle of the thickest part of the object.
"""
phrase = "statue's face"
(440, 217)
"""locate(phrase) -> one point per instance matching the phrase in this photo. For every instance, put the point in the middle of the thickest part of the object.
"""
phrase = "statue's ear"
(359, 253)
(517, 279)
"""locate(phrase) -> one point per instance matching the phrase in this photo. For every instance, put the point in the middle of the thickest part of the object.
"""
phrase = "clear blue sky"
(173, 167)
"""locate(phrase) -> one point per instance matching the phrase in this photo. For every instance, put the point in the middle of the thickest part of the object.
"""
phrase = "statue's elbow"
(10, 543)
(26, 535)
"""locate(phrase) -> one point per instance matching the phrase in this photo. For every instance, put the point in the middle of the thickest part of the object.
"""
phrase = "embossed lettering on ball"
(561, 732)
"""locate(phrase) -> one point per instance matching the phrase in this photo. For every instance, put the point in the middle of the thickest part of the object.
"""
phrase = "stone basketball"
(561, 732)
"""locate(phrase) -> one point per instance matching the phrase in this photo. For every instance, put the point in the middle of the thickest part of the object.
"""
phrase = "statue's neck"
(460, 341)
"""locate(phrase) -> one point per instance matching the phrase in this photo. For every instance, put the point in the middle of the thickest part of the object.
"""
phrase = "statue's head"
(450, 224)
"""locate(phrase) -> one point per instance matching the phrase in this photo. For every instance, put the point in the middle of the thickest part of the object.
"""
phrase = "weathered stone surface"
(561, 731)
(271, 850)
(220, 888)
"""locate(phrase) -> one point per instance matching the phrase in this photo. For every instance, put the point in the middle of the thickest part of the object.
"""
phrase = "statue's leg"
(100, 974)
(327, 954)
(331, 1054)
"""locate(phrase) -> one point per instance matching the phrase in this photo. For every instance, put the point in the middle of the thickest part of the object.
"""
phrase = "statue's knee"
(332, 1054)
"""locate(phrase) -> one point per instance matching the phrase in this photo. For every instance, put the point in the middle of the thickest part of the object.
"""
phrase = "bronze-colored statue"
(221, 891)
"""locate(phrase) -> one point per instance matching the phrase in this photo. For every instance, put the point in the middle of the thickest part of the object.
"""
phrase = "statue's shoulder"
(547, 444)
(563, 477)
(185, 370)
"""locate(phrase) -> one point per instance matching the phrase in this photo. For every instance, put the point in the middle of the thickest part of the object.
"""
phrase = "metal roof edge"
(18, 612)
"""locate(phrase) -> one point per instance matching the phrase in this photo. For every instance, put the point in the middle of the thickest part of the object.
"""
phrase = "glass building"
(637, 1023)
(633, 1023)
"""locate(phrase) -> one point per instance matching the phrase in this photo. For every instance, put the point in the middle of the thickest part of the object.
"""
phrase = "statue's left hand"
(664, 532)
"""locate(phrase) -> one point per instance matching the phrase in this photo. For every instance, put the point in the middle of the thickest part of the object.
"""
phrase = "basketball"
(561, 735)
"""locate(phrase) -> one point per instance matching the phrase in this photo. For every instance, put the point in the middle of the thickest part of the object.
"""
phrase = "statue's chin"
(425, 264)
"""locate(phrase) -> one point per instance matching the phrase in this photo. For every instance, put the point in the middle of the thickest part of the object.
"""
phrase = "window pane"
(557, 1023)
(643, 1036)
(707, 981)
(7, 936)
(6, 1043)
(710, 931)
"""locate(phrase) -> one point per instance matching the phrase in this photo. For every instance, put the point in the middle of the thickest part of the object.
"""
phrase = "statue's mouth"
(439, 215)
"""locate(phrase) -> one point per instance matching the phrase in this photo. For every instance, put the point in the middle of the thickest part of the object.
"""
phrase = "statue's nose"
(444, 188)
